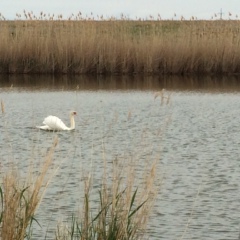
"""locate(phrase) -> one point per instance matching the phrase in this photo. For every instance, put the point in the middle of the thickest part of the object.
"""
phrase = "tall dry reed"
(19, 200)
(119, 47)
(124, 203)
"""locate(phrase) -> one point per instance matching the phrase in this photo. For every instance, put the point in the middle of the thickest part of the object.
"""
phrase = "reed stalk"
(19, 201)
(2, 107)
(123, 206)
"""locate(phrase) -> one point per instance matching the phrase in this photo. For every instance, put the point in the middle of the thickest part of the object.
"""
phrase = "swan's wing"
(54, 123)
(45, 127)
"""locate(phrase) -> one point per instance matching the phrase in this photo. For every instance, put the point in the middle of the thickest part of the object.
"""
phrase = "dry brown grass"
(20, 200)
(124, 205)
(119, 47)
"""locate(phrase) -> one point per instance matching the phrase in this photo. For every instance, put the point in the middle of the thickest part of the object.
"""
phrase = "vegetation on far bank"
(120, 47)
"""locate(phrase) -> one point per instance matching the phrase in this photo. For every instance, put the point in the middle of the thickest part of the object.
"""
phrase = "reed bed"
(119, 46)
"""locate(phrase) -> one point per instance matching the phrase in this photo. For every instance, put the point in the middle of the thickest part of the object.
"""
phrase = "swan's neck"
(72, 122)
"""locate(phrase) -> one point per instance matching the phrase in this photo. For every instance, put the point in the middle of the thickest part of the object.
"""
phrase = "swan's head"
(73, 113)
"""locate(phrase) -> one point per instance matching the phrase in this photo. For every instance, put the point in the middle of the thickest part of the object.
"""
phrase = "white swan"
(52, 123)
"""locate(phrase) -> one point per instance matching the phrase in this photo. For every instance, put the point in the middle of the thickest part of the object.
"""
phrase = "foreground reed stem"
(19, 202)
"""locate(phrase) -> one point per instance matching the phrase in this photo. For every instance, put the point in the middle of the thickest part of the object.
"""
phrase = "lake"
(193, 131)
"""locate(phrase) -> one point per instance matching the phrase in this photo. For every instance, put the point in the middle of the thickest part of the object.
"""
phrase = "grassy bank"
(119, 47)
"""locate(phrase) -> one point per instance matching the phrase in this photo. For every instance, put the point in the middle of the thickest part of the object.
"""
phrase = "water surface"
(195, 137)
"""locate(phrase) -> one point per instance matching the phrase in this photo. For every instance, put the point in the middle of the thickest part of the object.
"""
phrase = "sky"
(167, 9)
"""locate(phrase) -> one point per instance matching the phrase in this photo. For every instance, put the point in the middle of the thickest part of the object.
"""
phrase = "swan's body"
(52, 123)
